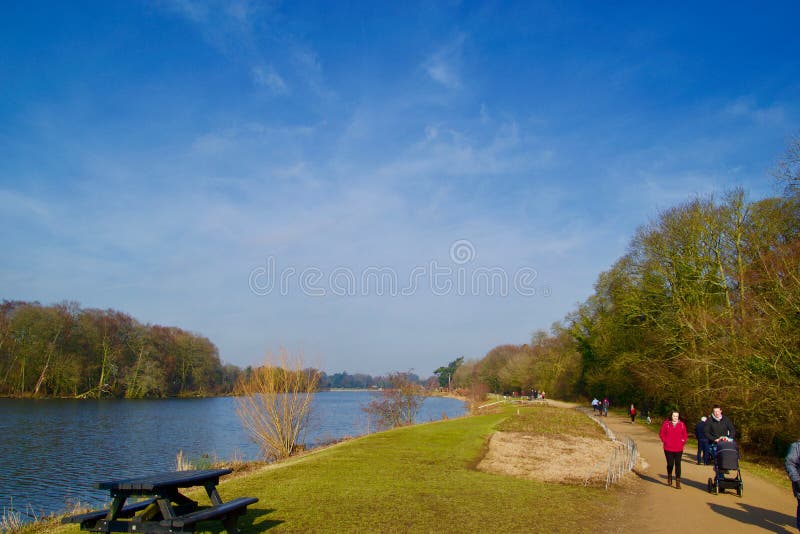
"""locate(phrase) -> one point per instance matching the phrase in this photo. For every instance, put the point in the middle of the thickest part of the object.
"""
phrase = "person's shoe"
(677, 482)
(669, 480)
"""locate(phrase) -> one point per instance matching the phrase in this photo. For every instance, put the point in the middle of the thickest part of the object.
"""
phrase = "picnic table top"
(174, 479)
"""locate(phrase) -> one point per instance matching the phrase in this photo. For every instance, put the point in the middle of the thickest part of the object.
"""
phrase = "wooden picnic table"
(164, 508)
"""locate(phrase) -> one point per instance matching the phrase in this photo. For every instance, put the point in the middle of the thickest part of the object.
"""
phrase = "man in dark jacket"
(718, 426)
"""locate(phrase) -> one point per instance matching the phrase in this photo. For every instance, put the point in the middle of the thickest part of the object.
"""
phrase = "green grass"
(548, 420)
(418, 479)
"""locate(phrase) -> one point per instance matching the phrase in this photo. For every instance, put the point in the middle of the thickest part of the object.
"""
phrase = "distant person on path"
(793, 469)
(606, 404)
(673, 435)
(595, 405)
(702, 441)
(632, 413)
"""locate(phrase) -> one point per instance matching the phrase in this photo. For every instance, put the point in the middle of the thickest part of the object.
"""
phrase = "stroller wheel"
(739, 489)
(710, 486)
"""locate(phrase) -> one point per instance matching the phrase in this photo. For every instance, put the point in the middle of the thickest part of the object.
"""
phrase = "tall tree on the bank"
(445, 373)
(701, 310)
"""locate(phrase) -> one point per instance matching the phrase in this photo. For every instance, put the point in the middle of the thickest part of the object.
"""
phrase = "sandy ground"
(564, 459)
(655, 507)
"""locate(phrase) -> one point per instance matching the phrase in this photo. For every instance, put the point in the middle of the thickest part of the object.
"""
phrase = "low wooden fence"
(623, 457)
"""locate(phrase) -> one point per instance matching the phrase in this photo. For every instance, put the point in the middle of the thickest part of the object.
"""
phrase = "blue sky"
(380, 186)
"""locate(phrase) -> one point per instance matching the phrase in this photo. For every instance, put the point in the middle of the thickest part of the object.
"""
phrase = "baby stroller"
(726, 468)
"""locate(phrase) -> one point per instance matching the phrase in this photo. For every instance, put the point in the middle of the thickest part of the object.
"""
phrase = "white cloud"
(194, 10)
(444, 151)
(244, 137)
(211, 144)
(220, 21)
(16, 203)
(444, 65)
(485, 116)
(309, 68)
(747, 108)
(266, 76)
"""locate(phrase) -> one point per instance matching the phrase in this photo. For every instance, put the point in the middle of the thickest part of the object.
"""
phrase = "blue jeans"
(712, 452)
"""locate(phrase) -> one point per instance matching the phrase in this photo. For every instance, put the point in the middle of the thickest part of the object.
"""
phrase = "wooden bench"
(92, 517)
(227, 512)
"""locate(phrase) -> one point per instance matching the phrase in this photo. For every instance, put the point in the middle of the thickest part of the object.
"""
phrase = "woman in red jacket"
(673, 435)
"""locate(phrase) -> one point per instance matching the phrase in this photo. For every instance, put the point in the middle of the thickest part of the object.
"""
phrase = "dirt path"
(656, 507)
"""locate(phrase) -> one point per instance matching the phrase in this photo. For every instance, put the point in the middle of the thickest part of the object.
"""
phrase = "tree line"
(343, 380)
(63, 350)
(703, 308)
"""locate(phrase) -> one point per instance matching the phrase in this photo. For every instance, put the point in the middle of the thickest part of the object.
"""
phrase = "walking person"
(605, 406)
(632, 413)
(718, 428)
(673, 435)
(702, 441)
(793, 469)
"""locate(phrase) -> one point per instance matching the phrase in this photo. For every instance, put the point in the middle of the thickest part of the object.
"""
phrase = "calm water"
(53, 451)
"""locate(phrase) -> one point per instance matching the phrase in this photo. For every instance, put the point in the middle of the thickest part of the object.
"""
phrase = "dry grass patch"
(549, 444)
(564, 459)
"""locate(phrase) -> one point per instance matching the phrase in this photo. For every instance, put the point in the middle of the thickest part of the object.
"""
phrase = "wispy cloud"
(446, 151)
(246, 31)
(194, 10)
(226, 24)
(444, 65)
(309, 68)
(748, 108)
(246, 138)
(301, 135)
(211, 11)
(268, 77)
(15, 203)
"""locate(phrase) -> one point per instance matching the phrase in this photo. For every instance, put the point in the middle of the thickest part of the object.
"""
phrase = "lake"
(53, 451)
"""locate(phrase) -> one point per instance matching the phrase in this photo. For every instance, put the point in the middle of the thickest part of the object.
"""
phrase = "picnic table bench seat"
(166, 509)
(126, 511)
(228, 512)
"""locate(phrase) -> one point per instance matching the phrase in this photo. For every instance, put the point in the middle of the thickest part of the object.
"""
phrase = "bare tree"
(397, 405)
(788, 170)
(274, 404)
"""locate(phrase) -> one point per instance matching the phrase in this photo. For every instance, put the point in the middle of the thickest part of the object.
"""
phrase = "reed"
(14, 521)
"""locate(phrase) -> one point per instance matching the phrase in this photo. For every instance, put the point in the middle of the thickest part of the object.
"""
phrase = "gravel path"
(656, 507)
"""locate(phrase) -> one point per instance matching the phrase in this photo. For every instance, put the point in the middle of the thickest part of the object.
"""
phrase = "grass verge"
(417, 479)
